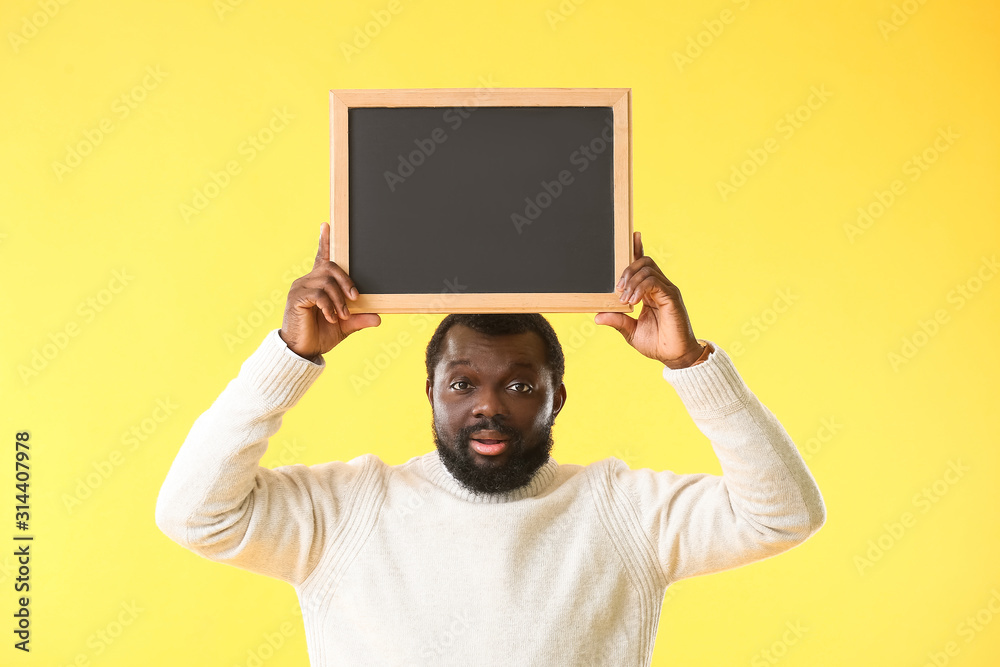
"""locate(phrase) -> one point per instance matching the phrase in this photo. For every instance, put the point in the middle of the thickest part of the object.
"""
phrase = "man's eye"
(453, 384)
(527, 387)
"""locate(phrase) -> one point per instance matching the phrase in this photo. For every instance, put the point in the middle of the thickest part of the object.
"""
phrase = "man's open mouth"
(488, 446)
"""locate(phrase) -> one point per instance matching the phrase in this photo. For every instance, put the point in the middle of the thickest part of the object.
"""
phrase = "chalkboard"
(482, 200)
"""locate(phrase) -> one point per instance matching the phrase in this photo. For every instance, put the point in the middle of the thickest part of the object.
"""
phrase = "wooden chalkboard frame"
(618, 99)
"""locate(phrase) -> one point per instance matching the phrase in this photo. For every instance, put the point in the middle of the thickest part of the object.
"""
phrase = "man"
(486, 551)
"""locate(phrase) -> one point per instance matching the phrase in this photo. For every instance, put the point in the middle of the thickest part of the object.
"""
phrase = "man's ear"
(559, 400)
(430, 392)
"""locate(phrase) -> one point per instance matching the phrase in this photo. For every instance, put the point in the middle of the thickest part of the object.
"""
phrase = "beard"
(523, 458)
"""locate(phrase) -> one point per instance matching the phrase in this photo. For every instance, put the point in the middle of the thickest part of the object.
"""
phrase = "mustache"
(489, 425)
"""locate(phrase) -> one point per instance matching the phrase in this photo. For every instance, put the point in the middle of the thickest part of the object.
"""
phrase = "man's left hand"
(662, 330)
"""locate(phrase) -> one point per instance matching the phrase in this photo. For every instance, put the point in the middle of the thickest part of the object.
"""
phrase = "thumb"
(620, 321)
(359, 321)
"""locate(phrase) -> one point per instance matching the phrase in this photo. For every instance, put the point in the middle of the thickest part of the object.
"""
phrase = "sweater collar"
(437, 473)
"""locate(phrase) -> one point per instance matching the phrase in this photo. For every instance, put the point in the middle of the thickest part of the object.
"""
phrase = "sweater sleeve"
(764, 503)
(220, 503)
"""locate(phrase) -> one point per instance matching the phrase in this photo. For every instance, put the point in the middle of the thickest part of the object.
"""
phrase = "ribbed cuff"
(278, 375)
(708, 387)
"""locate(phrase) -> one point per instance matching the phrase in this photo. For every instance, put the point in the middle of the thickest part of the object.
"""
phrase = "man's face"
(494, 405)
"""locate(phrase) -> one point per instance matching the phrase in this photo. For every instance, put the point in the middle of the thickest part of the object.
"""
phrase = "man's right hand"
(316, 314)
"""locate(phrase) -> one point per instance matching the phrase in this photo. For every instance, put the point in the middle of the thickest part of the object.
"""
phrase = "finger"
(323, 253)
(344, 281)
(638, 282)
(637, 243)
(310, 299)
(636, 251)
(626, 278)
(641, 261)
(642, 290)
(330, 274)
(625, 274)
(332, 270)
(325, 279)
(633, 276)
(331, 296)
(336, 295)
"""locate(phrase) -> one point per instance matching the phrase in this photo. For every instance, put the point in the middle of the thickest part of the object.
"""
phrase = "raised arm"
(766, 500)
(764, 503)
(216, 499)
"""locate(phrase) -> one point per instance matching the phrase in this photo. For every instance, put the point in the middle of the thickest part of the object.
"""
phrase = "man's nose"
(490, 403)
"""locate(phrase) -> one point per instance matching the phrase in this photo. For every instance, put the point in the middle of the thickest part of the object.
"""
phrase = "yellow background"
(168, 328)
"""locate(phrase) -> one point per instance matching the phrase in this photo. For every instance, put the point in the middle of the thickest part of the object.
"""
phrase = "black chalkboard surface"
(457, 200)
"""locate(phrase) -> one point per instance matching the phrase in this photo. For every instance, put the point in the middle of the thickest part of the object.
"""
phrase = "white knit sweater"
(400, 565)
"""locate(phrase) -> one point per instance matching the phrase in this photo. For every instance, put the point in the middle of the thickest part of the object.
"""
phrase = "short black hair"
(501, 324)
